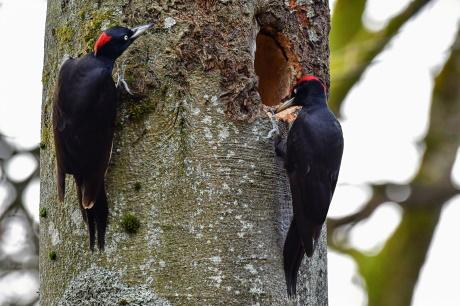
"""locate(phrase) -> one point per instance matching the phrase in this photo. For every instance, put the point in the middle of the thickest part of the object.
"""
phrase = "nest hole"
(273, 69)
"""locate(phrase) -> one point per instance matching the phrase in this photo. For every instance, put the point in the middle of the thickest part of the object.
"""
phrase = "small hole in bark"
(272, 67)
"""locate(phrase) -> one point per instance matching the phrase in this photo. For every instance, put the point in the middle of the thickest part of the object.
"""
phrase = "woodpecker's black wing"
(83, 122)
(313, 157)
(83, 115)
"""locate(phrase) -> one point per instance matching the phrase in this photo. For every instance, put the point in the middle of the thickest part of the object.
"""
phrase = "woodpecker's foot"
(121, 78)
(277, 140)
(274, 125)
(280, 146)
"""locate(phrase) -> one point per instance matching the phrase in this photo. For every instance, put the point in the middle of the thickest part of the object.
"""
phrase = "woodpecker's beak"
(285, 105)
(140, 29)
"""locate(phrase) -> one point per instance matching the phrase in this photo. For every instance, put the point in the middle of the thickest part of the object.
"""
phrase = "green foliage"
(130, 223)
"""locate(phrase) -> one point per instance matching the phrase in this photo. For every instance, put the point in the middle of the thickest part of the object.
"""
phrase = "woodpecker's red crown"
(306, 86)
(101, 41)
(307, 78)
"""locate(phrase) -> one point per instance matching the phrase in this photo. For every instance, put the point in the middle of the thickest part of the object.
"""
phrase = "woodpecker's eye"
(125, 37)
(295, 91)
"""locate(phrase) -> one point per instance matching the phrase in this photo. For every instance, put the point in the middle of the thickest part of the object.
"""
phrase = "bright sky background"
(381, 129)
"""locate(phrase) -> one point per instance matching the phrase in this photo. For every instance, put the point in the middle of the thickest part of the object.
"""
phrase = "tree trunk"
(190, 159)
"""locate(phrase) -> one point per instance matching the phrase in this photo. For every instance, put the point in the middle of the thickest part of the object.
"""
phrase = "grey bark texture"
(190, 159)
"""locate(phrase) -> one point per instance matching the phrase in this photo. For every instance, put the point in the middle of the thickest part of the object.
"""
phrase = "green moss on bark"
(130, 223)
(64, 35)
(52, 255)
(43, 212)
(97, 21)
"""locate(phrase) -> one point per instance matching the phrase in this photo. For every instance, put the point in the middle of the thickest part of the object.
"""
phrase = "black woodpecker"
(84, 110)
(312, 154)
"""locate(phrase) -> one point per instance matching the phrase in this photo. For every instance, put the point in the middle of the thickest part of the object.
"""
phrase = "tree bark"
(190, 159)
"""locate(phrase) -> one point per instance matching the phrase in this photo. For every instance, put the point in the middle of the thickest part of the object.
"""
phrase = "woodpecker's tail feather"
(87, 217)
(307, 234)
(95, 217)
(101, 212)
(293, 254)
(90, 189)
(91, 228)
(316, 233)
(79, 196)
(97, 220)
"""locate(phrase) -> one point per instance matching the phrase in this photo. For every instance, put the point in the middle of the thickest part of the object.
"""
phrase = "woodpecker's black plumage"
(312, 153)
(84, 112)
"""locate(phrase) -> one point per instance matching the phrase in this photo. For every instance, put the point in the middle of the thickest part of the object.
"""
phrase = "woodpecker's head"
(306, 86)
(114, 41)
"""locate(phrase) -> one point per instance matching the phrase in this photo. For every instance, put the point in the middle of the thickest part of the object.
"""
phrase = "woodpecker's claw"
(274, 125)
(125, 85)
(121, 78)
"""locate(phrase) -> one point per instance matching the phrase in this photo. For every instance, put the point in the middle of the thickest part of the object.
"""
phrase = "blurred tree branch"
(17, 207)
(422, 196)
(391, 274)
(378, 197)
(353, 47)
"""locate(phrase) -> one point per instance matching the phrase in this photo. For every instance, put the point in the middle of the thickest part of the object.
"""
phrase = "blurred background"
(395, 75)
